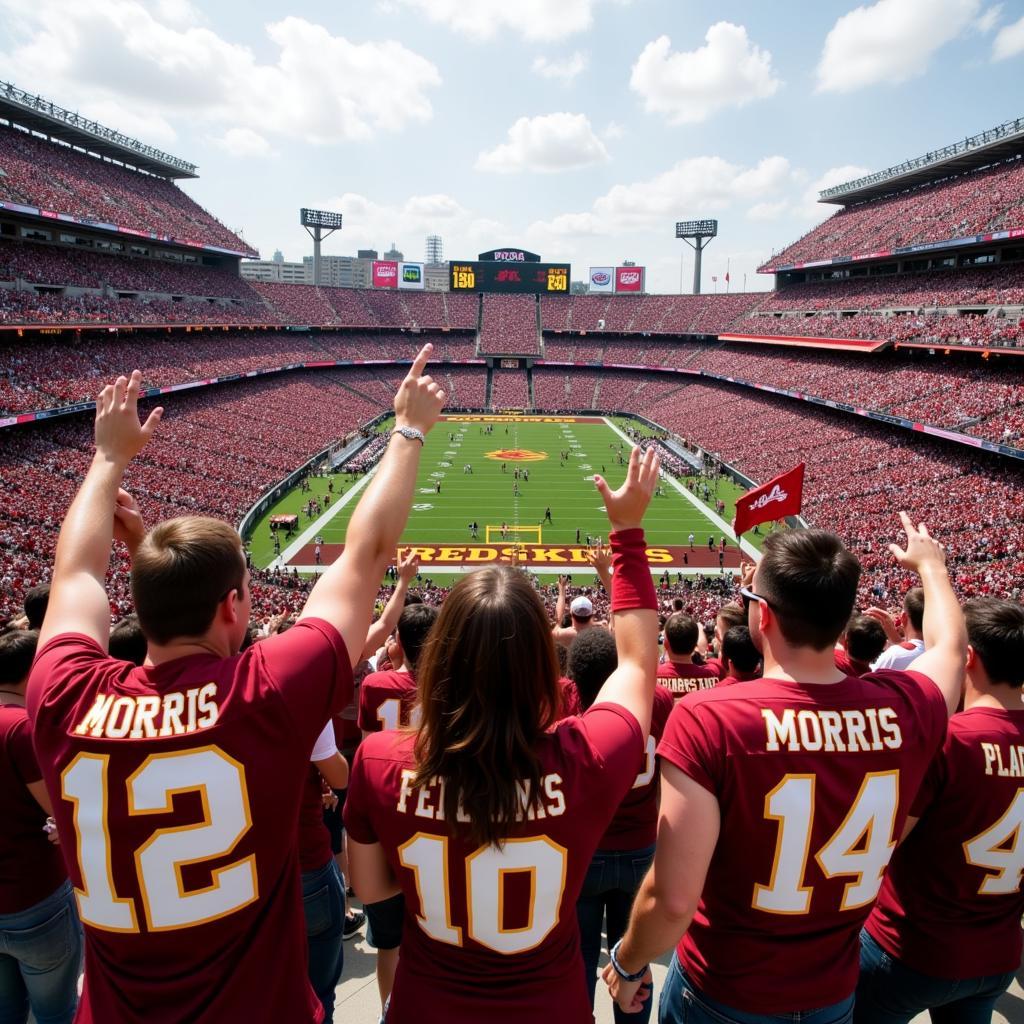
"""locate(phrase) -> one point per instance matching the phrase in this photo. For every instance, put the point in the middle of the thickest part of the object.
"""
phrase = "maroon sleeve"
(58, 665)
(364, 717)
(357, 810)
(22, 755)
(686, 744)
(309, 666)
(614, 734)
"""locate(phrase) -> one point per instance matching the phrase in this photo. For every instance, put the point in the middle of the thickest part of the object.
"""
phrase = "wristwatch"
(613, 956)
(410, 432)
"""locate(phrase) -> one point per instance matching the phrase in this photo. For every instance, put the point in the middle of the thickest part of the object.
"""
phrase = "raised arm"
(345, 593)
(634, 603)
(381, 629)
(945, 632)
(78, 597)
(560, 603)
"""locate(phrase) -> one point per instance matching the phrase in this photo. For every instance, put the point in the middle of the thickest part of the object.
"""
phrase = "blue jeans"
(892, 993)
(40, 960)
(323, 903)
(682, 1003)
(611, 883)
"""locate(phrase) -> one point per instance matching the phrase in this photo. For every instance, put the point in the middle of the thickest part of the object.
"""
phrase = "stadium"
(887, 359)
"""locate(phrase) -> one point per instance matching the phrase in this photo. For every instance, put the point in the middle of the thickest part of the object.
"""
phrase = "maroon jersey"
(814, 785)
(386, 700)
(951, 902)
(486, 923)
(635, 825)
(31, 867)
(681, 678)
(570, 697)
(176, 789)
(850, 666)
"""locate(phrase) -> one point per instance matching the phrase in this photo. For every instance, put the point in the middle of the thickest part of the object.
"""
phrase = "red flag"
(727, 275)
(776, 499)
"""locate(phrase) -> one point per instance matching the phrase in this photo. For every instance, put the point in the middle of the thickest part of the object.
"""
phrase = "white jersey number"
(861, 847)
(1000, 849)
(220, 782)
(542, 860)
(389, 714)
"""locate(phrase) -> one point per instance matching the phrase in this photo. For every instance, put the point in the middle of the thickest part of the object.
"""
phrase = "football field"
(497, 472)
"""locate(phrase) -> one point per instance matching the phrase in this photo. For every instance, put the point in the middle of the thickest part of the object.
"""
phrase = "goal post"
(516, 534)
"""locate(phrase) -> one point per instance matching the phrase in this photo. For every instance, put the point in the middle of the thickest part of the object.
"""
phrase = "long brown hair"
(488, 687)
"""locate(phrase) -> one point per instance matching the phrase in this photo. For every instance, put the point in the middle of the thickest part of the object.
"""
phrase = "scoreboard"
(535, 278)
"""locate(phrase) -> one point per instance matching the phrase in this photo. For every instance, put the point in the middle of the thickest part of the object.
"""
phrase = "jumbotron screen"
(537, 278)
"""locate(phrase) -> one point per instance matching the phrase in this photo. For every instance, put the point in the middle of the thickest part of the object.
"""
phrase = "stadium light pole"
(318, 224)
(696, 234)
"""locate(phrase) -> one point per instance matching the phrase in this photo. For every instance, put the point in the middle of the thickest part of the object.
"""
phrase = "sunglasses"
(748, 597)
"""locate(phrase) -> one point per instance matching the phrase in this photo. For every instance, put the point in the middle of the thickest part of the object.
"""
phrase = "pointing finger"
(420, 361)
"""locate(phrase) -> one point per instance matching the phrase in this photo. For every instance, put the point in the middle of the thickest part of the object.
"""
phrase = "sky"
(579, 129)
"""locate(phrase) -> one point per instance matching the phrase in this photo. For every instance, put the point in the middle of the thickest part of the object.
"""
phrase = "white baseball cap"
(581, 608)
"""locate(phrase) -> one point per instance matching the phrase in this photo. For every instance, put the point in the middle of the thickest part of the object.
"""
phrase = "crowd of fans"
(990, 199)
(647, 314)
(509, 324)
(510, 390)
(88, 268)
(1000, 285)
(56, 178)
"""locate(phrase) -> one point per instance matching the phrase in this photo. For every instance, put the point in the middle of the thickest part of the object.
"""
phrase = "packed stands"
(216, 452)
(859, 475)
(465, 386)
(509, 324)
(84, 268)
(1000, 285)
(60, 179)
(509, 390)
(990, 199)
(41, 373)
(648, 314)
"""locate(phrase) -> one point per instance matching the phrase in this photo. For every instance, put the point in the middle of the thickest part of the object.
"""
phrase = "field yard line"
(745, 545)
(325, 517)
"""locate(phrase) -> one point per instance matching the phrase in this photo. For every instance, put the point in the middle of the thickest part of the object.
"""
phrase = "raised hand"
(128, 525)
(922, 549)
(627, 505)
(119, 435)
(420, 399)
(888, 624)
(408, 567)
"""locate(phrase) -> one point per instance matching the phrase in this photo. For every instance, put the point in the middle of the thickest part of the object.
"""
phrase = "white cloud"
(548, 143)
(690, 86)
(1009, 41)
(534, 20)
(988, 19)
(565, 70)
(890, 41)
(768, 211)
(243, 143)
(155, 61)
(612, 131)
(694, 187)
(807, 207)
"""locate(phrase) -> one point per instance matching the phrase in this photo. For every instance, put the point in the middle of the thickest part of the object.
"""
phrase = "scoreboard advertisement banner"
(410, 275)
(629, 279)
(385, 274)
(534, 278)
(602, 279)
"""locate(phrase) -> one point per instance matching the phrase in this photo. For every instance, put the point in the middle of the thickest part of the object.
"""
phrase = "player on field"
(487, 818)
(176, 785)
(783, 798)
(945, 932)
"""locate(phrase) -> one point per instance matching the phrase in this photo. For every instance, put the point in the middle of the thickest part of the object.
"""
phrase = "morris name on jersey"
(849, 729)
(147, 716)
(428, 802)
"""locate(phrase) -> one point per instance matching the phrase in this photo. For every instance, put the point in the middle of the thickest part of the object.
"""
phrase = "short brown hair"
(681, 633)
(809, 580)
(995, 629)
(913, 605)
(732, 615)
(181, 571)
(865, 638)
(488, 686)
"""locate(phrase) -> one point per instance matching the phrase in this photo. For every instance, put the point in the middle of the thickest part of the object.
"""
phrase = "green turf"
(486, 495)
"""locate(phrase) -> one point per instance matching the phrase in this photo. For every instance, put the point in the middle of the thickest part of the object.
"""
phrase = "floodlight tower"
(318, 224)
(696, 234)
